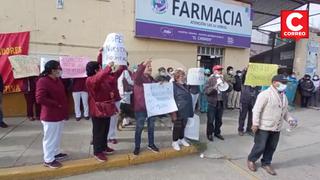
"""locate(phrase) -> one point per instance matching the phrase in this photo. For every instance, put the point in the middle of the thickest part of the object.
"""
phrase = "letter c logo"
(289, 21)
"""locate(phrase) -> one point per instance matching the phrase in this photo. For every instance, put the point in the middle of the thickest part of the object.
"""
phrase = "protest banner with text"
(195, 76)
(260, 74)
(159, 98)
(74, 67)
(24, 66)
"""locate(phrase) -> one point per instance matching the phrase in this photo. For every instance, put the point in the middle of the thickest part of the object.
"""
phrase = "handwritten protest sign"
(114, 50)
(260, 74)
(24, 66)
(73, 67)
(159, 98)
(195, 76)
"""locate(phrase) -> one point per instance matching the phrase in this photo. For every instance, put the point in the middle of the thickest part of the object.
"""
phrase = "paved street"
(297, 157)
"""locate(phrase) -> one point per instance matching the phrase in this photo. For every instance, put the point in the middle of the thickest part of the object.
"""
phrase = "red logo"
(294, 24)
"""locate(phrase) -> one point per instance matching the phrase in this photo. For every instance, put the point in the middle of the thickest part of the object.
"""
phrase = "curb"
(82, 166)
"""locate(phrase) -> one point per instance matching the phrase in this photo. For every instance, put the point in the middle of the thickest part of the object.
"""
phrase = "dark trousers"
(214, 115)
(305, 101)
(1, 113)
(100, 130)
(265, 143)
(31, 103)
(178, 129)
(245, 109)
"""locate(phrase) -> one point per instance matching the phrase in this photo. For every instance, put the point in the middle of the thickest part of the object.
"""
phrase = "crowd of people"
(113, 98)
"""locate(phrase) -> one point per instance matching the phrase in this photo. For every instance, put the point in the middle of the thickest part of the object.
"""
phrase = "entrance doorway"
(210, 56)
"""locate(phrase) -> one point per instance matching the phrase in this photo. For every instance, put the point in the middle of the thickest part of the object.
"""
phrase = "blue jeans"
(141, 117)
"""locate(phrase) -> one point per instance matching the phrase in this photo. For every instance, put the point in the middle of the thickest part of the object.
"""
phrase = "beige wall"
(301, 51)
(238, 58)
(81, 27)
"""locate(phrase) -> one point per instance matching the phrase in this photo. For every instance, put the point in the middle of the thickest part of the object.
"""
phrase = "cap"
(217, 67)
(280, 78)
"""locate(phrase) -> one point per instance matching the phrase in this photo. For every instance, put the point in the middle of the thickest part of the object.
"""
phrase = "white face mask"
(230, 72)
(239, 74)
(281, 87)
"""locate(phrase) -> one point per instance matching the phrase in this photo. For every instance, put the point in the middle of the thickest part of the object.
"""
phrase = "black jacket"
(306, 87)
(1, 84)
(183, 100)
(238, 84)
(249, 95)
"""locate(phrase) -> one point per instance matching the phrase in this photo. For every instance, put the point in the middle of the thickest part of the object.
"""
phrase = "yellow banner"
(24, 66)
(260, 74)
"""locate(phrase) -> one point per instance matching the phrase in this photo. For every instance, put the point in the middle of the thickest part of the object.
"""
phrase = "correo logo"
(159, 6)
(294, 24)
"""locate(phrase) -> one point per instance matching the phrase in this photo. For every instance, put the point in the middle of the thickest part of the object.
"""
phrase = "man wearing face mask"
(269, 111)
(215, 103)
(315, 98)
(306, 88)
(229, 77)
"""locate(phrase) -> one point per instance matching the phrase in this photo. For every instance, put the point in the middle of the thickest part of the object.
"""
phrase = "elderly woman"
(183, 100)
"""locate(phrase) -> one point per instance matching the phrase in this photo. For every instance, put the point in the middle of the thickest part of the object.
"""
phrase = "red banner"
(12, 44)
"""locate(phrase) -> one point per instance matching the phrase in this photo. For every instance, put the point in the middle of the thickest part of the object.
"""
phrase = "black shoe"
(210, 138)
(78, 119)
(153, 148)
(61, 156)
(136, 151)
(87, 118)
(3, 125)
(219, 136)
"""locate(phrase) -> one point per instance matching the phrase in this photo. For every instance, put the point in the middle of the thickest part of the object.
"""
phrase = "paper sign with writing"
(260, 74)
(159, 98)
(73, 67)
(24, 66)
(114, 50)
(195, 76)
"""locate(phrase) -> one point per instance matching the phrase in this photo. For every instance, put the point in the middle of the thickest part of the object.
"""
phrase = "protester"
(235, 103)
(215, 103)
(29, 90)
(162, 76)
(143, 76)
(183, 100)
(170, 72)
(292, 88)
(195, 92)
(230, 79)
(306, 88)
(2, 123)
(247, 101)
(79, 92)
(125, 86)
(51, 96)
(269, 111)
(315, 98)
(203, 96)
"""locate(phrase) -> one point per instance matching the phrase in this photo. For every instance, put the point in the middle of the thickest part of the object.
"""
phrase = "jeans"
(244, 110)
(100, 130)
(141, 117)
(214, 115)
(178, 129)
(265, 143)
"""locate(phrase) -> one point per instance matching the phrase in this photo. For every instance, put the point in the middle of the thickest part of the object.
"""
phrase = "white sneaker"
(175, 145)
(184, 142)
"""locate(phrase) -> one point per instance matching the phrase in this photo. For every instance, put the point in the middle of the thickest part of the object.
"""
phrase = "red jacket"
(139, 79)
(29, 85)
(100, 87)
(79, 84)
(51, 96)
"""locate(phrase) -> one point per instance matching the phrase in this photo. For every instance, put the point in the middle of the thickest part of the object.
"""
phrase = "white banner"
(159, 98)
(114, 50)
(195, 76)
